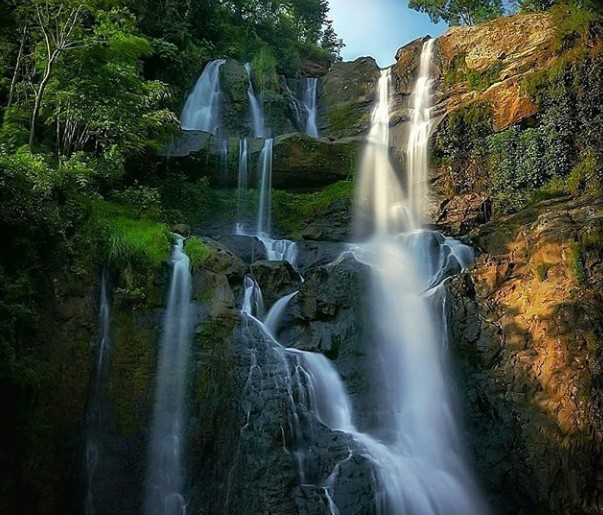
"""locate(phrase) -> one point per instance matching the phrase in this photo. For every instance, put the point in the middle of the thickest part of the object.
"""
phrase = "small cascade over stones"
(422, 467)
(202, 109)
(310, 105)
(314, 399)
(276, 250)
(253, 302)
(96, 416)
(165, 475)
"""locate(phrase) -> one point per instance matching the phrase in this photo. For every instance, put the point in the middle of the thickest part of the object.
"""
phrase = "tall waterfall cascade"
(422, 468)
(418, 141)
(96, 406)
(201, 111)
(165, 476)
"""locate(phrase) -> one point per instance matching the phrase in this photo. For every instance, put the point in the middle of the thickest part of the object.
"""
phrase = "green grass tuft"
(135, 246)
(197, 252)
(577, 263)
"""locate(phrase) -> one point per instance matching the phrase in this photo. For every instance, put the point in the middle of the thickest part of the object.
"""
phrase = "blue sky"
(378, 27)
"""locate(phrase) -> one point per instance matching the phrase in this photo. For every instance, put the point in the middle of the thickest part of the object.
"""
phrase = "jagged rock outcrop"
(502, 51)
(528, 326)
(348, 94)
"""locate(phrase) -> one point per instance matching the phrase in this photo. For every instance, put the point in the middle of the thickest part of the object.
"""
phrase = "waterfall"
(224, 144)
(242, 184)
(253, 302)
(264, 221)
(202, 109)
(422, 469)
(379, 197)
(100, 378)
(418, 140)
(310, 93)
(165, 477)
(257, 112)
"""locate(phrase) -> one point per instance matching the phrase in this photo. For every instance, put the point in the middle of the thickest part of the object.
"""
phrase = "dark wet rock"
(311, 253)
(182, 229)
(276, 279)
(235, 109)
(302, 162)
(247, 248)
(334, 225)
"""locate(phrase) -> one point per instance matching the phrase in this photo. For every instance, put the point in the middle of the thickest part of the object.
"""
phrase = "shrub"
(263, 66)
(542, 270)
(577, 263)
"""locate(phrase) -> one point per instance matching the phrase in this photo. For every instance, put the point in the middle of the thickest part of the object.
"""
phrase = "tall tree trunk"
(38, 102)
(13, 81)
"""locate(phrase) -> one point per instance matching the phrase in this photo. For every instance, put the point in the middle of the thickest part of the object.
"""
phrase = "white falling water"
(310, 94)
(418, 140)
(253, 302)
(423, 469)
(165, 477)
(379, 198)
(257, 113)
(264, 221)
(275, 314)
(280, 250)
(202, 109)
(242, 184)
(100, 377)
(224, 144)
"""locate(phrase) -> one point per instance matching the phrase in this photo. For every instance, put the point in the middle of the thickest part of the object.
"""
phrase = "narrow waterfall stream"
(165, 475)
(258, 122)
(310, 105)
(96, 416)
(243, 173)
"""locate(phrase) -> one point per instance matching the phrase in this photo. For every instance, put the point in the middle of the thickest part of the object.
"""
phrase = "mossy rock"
(301, 162)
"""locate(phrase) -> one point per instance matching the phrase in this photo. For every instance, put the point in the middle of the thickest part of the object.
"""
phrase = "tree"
(457, 12)
(55, 30)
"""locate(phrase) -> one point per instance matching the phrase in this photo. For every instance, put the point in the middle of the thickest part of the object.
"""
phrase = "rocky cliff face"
(502, 52)
(527, 323)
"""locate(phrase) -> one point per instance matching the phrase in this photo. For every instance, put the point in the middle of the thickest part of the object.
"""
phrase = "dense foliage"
(456, 12)
(559, 151)
(470, 12)
(88, 95)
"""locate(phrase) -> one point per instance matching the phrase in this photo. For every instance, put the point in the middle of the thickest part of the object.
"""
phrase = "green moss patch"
(292, 211)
